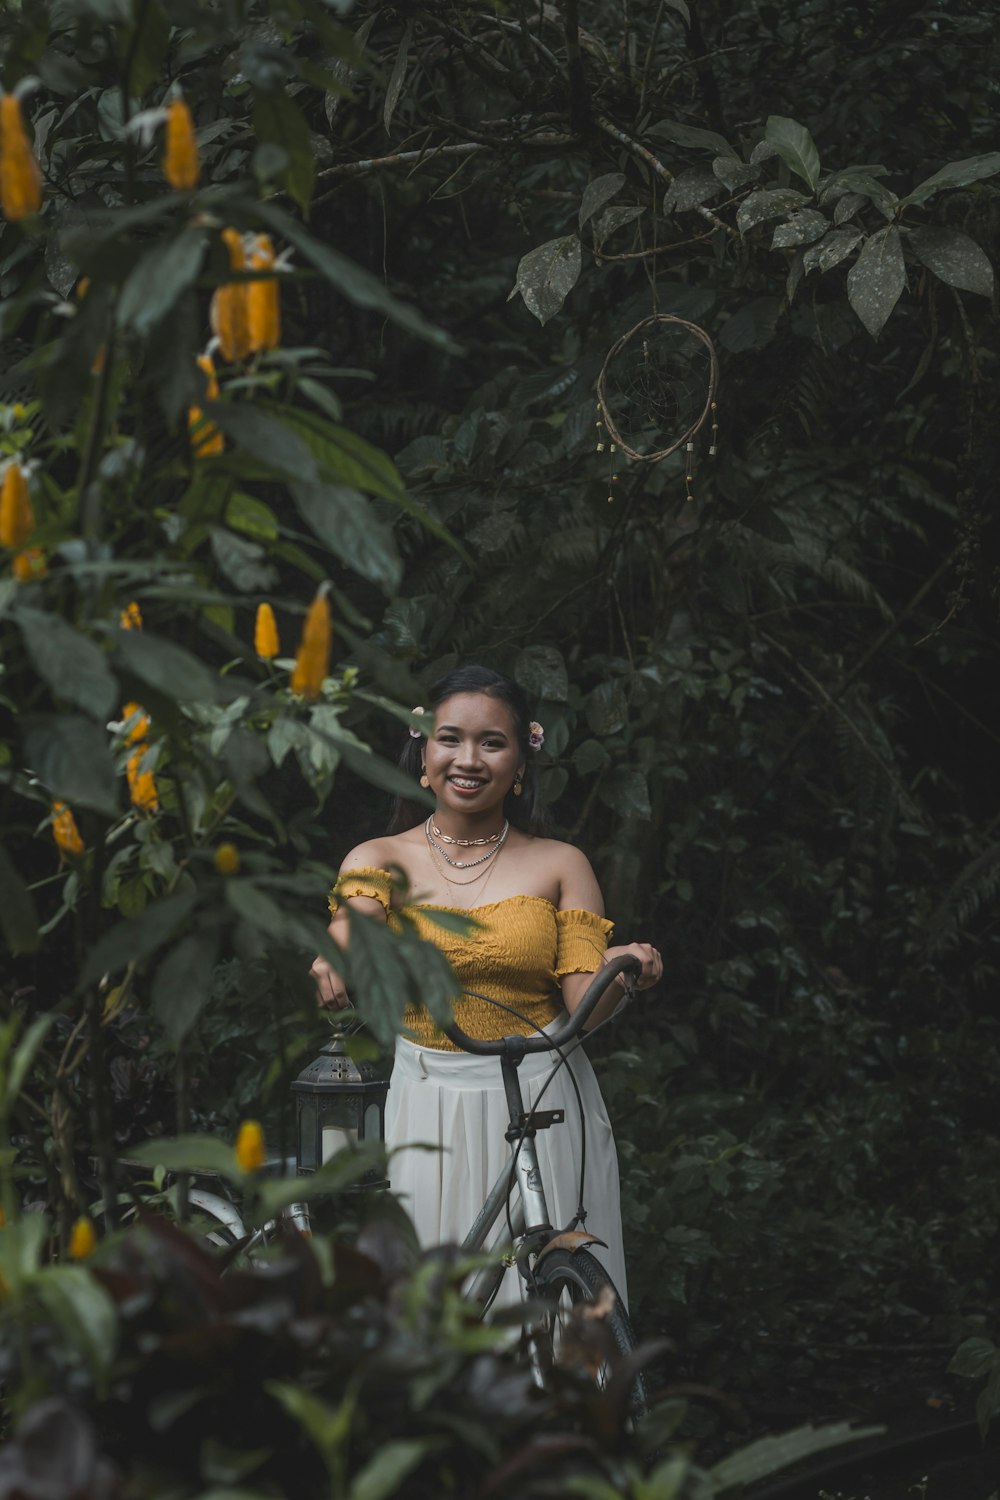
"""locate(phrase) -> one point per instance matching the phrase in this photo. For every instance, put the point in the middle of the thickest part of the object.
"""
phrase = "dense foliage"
(767, 710)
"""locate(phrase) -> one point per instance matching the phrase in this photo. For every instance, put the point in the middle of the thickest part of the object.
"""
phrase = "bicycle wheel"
(580, 1294)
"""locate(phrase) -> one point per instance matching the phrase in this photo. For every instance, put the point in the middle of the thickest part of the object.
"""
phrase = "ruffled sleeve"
(581, 939)
(365, 881)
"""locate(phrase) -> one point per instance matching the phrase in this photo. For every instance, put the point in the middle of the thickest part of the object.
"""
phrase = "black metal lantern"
(338, 1103)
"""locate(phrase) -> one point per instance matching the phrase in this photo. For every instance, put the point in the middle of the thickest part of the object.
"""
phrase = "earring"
(424, 781)
(517, 787)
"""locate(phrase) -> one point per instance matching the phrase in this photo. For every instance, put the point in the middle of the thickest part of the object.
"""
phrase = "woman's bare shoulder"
(560, 855)
(375, 854)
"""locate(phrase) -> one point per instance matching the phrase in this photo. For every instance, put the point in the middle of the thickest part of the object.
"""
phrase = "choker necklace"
(446, 838)
(467, 864)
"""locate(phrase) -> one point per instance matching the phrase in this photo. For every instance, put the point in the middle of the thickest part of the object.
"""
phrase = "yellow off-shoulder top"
(520, 949)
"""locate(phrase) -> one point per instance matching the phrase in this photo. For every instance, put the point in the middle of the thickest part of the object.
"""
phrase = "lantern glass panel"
(373, 1123)
(307, 1136)
(340, 1124)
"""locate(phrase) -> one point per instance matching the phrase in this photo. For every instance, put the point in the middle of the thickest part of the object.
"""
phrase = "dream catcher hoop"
(655, 393)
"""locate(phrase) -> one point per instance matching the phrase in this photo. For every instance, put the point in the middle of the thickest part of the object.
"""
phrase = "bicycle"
(559, 1274)
(558, 1271)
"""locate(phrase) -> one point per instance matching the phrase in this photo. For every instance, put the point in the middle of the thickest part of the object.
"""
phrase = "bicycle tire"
(580, 1277)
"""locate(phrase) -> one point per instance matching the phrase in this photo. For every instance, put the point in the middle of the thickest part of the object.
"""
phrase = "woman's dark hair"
(526, 812)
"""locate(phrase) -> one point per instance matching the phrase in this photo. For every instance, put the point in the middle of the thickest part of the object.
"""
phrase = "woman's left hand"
(648, 956)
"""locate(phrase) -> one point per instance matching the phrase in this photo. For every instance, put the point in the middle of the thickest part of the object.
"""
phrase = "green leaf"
(357, 285)
(393, 1463)
(159, 279)
(70, 756)
(344, 457)
(795, 146)
(397, 77)
(955, 258)
(344, 1170)
(75, 669)
(974, 1358)
(598, 192)
(328, 1428)
(626, 790)
(876, 280)
(590, 756)
(241, 561)
(138, 937)
(190, 1153)
(342, 519)
(167, 668)
(767, 1455)
(771, 203)
(83, 1311)
(23, 1059)
(690, 135)
(147, 50)
(547, 275)
(248, 514)
(606, 708)
(277, 120)
(541, 671)
(956, 174)
(183, 984)
(21, 1245)
(267, 438)
(18, 913)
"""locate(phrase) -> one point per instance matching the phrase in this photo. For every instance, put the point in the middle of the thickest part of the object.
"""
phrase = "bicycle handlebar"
(552, 1040)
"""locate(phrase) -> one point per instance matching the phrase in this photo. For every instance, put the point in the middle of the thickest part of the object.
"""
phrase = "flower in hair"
(416, 732)
(536, 735)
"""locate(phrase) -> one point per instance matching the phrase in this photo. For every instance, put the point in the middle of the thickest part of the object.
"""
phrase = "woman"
(540, 937)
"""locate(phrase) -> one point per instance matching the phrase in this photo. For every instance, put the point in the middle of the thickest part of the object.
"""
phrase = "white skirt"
(456, 1102)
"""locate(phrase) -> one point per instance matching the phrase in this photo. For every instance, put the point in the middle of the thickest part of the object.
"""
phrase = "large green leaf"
(547, 275)
(167, 668)
(795, 146)
(384, 1473)
(277, 120)
(876, 280)
(22, 1058)
(268, 438)
(159, 278)
(189, 1153)
(18, 914)
(955, 258)
(82, 1310)
(183, 983)
(138, 937)
(541, 671)
(956, 174)
(75, 669)
(70, 756)
(768, 1455)
(342, 518)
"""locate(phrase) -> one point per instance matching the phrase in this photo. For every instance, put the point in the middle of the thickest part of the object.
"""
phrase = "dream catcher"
(655, 393)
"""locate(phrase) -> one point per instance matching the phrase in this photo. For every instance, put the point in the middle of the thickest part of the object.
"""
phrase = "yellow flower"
(65, 831)
(17, 519)
(229, 311)
(206, 438)
(250, 1146)
(265, 633)
(312, 659)
(29, 564)
(181, 163)
(226, 859)
(20, 179)
(131, 617)
(141, 786)
(263, 299)
(82, 1239)
(140, 728)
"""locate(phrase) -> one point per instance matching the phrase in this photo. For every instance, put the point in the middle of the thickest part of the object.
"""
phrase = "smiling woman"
(537, 940)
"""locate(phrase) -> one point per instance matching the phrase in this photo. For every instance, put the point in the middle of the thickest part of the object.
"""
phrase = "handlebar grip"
(602, 981)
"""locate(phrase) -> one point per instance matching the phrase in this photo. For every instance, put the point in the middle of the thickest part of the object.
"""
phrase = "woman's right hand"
(331, 992)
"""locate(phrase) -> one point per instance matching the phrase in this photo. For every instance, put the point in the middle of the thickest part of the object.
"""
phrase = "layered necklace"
(495, 843)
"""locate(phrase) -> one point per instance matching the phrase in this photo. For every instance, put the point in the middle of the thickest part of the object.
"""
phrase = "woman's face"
(472, 757)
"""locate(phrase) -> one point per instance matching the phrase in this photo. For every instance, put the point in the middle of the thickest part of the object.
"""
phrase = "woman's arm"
(579, 890)
(331, 992)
